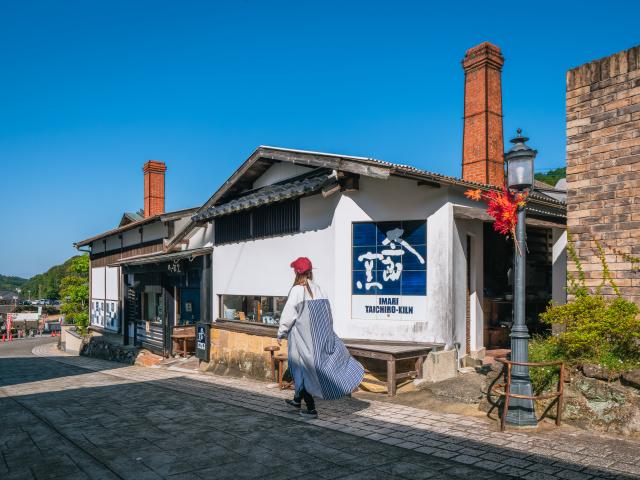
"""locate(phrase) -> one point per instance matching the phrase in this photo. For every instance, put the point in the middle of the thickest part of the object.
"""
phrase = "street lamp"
(520, 179)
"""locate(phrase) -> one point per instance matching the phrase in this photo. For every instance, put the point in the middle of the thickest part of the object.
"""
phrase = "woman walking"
(319, 362)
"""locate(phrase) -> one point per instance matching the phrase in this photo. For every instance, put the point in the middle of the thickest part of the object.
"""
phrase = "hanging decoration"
(503, 207)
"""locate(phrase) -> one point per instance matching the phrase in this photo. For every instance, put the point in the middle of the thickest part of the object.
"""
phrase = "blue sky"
(91, 90)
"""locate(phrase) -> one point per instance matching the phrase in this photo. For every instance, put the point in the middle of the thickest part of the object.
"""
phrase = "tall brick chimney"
(482, 143)
(153, 187)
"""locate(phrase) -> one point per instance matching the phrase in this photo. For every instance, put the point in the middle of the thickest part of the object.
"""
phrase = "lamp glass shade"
(520, 173)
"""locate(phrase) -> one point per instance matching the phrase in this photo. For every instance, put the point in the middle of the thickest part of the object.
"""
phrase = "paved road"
(73, 417)
(60, 421)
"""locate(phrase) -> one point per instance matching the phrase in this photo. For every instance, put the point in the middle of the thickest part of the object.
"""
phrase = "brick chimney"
(153, 187)
(482, 143)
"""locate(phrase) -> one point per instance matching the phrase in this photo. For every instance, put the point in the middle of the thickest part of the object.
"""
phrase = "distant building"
(603, 167)
(7, 296)
(117, 301)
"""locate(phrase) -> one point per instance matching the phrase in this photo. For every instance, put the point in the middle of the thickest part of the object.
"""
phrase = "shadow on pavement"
(187, 428)
(17, 370)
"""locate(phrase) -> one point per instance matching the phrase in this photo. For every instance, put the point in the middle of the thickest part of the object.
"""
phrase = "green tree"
(74, 292)
(551, 177)
(11, 283)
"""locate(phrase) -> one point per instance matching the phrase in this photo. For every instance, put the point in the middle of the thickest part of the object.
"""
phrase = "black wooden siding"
(266, 221)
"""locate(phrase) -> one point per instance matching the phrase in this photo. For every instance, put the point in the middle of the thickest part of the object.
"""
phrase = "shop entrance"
(498, 283)
(165, 299)
(189, 310)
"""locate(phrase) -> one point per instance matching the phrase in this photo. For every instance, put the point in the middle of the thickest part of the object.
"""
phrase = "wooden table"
(391, 352)
(184, 337)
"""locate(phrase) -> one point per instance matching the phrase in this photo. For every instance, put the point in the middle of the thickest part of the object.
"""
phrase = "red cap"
(301, 265)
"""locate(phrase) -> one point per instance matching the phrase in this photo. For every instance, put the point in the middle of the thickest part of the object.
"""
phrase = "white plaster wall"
(201, 237)
(131, 237)
(559, 267)
(113, 243)
(97, 246)
(150, 232)
(440, 274)
(474, 229)
(278, 172)
(261, 267)
(179, 224)
(113, 280)
(154, 231)
(97, 282)
(388, 200)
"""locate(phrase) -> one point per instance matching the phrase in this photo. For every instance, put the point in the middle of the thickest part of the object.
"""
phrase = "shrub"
(544, 349)
(595, 329)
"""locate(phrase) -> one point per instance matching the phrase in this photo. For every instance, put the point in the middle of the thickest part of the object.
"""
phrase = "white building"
(282, 204)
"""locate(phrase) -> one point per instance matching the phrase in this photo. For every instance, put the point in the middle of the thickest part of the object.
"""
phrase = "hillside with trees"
(551, 177)
(11, 283)
(43, 285)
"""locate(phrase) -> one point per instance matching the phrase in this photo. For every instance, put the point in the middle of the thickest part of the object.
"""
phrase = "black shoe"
(309, 413)
(293, 403)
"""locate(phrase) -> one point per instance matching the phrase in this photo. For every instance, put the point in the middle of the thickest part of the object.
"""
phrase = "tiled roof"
(266, 195)
(356, 165)
(129, 226)
(399, 168)
(438, 177)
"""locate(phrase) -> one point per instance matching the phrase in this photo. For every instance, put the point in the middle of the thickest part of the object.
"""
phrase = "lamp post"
(520, 179)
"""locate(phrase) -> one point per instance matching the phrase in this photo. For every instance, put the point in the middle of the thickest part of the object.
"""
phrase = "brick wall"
(603, 167)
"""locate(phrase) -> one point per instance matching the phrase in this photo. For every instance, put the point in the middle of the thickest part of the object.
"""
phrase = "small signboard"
(203, 341)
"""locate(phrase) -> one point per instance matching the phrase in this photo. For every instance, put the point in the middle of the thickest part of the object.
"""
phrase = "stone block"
(598, 372)
(632, 378)
(440, 366)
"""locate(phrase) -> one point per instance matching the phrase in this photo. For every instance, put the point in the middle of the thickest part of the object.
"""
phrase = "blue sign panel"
(390, 258)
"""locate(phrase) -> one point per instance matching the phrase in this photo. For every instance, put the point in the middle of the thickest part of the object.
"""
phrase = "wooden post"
(561, 395)
(391, 377)
(507, 394)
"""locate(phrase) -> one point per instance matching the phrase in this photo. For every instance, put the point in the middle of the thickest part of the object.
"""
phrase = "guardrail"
(506, 392)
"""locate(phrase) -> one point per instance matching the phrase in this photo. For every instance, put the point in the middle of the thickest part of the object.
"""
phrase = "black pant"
(308, 399)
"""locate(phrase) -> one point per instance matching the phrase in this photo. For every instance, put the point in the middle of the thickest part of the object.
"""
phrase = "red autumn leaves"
(502, 206)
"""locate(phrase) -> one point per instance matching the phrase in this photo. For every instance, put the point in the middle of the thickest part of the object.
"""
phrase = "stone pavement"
(134, 422)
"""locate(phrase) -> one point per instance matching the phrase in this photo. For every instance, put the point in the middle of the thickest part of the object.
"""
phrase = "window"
(152, 300)
(266, 221)
(252, 308)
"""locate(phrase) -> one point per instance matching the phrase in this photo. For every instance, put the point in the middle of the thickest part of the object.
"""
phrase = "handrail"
(529, 364)
(559, 393)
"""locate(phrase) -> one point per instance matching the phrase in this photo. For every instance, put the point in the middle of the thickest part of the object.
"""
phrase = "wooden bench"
(391, 352)
(184, 336)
